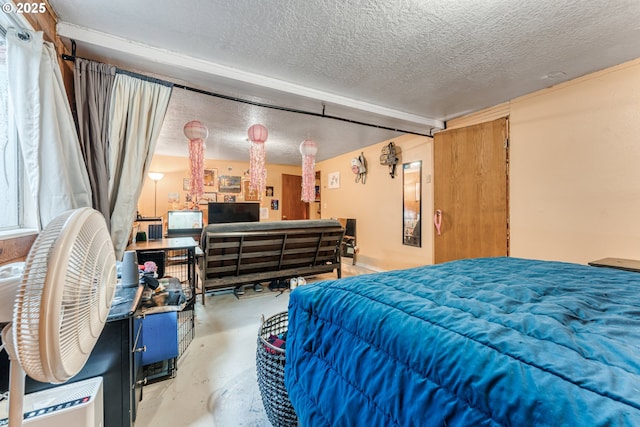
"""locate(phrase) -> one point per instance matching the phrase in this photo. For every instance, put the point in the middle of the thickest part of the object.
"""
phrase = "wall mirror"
(411, 203)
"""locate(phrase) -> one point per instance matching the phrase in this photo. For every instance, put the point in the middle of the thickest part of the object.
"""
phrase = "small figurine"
(389, 157)
(359, 167)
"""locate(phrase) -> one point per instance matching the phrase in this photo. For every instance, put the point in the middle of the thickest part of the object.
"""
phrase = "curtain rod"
(143, 77)
(21, 33)
(294, 110)
(72, 57)
(8, 12)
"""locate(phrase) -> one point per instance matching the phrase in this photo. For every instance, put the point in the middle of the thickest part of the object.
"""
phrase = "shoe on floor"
(257, 287)
(239, 290)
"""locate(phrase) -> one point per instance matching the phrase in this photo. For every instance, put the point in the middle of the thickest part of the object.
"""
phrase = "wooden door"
(292, 205)
(470, 191)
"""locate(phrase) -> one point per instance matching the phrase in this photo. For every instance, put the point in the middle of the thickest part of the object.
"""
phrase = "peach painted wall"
(377, 205)
(175, 169)
(574, 178)
(575, 168)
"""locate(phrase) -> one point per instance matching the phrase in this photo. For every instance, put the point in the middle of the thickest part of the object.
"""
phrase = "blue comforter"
(482, 342)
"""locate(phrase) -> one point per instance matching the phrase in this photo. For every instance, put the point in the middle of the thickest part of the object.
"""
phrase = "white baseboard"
(369, 267)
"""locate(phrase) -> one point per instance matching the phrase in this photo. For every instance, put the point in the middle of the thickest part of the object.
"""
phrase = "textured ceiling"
(408, 64)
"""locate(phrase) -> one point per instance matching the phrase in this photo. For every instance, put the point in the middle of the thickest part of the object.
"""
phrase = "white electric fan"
(61, 304)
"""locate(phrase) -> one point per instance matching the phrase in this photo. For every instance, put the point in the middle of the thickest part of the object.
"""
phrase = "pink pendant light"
(196, 132)
(308, 149)
(257, 172)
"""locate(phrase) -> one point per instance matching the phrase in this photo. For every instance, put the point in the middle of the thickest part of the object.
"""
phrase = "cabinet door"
(160, 333)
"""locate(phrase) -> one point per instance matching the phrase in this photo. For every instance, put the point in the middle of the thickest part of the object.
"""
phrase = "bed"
(480, 342)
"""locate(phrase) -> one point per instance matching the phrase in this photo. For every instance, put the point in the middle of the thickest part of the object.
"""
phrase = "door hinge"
(506, 143)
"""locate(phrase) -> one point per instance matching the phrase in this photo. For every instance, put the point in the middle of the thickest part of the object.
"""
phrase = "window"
(10, 166)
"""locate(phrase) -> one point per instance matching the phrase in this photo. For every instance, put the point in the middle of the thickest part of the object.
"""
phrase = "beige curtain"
(93, 82)
(138, 107)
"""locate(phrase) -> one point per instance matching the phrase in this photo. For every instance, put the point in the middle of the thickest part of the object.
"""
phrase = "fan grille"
(65, 295)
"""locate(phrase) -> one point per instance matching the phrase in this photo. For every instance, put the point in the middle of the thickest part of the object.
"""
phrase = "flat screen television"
(233, 212)
(184, 223)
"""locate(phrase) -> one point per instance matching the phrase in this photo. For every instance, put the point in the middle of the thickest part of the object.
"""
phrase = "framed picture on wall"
(230, 184)
(186, 184)
(249, 194)
(211, 178)
(269, 191)
(173, 198)
(334, 180)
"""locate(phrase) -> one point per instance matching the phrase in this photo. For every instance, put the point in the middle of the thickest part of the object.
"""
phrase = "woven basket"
(270, 368)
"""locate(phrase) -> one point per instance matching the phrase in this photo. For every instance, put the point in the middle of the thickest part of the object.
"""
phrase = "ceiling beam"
(179, 60)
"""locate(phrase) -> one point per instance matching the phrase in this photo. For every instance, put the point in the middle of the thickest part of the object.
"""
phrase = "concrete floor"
(216, 384)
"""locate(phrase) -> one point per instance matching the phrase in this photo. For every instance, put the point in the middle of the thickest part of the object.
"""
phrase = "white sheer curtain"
(138, 107)
(55, 169)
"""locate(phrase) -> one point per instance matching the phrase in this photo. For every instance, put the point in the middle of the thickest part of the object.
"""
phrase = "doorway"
(292, 205)
(470, 192)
